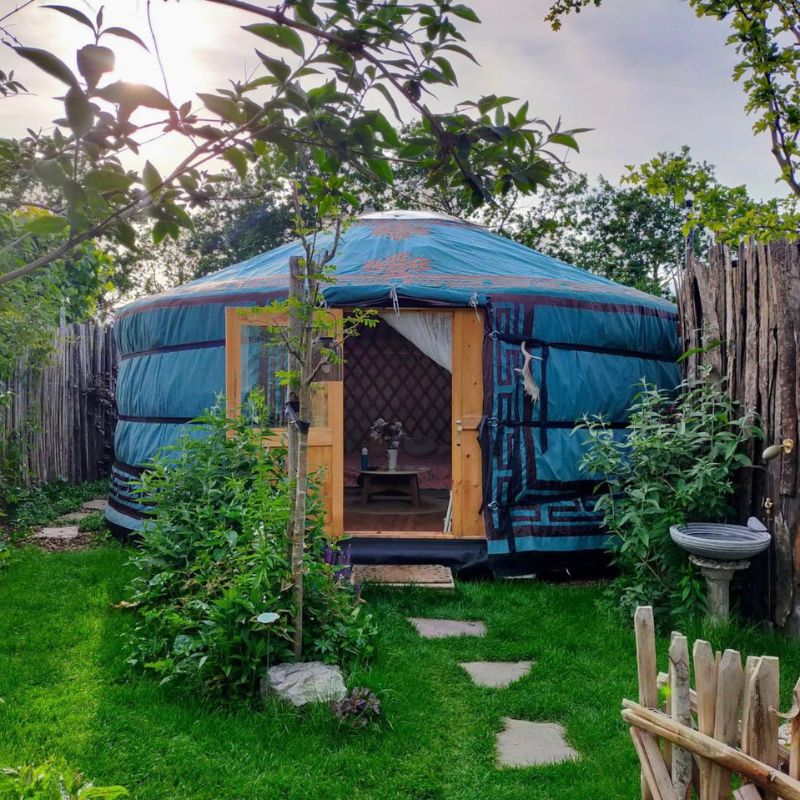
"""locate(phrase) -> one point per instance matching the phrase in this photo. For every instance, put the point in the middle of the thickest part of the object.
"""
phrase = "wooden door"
(467, 412)
(252, 357)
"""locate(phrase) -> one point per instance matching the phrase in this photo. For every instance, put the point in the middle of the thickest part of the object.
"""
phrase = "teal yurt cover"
(593, 342)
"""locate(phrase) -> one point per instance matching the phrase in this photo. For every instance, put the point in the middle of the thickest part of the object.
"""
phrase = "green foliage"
(726, 212)
(319, 104)
(94, 523)
(52, 780)
(623, 234)
(676, 465)
(215, 556)
(31, 308)
(765, 36)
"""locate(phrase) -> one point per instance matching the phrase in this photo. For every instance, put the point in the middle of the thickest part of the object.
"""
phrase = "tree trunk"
(298, 532)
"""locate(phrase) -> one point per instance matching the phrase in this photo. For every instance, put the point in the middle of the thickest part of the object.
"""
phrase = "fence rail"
(58, 421)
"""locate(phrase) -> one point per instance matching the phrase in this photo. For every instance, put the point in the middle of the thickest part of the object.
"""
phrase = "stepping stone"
(530, 744)
(443, 628)
(496, 674)
(63, 533)
(98, 504)
(75, 516)
(431, 576)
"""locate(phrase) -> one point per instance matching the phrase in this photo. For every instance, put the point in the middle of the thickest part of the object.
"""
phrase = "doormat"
(430, 576)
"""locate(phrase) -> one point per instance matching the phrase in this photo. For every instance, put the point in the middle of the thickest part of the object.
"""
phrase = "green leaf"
(277, 66)
(104, 180)
(45, 226)
(564, 138)
(223, 107)
(78, 16)
(124, 33)
(49, 63)
(49, 171)
(465, 12)
(386, 92)
(381, 169)
(384, 127)
(93, 61)
(79, 112)
(132, 95)
(151, 179)
(125, 234)
(279, 35)
(164, 228)
(237, 159)
(457, 48)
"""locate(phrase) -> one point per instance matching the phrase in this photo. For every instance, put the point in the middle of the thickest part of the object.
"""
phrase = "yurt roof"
(407, 257)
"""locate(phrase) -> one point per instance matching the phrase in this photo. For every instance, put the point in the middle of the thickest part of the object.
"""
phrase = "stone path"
(443, 628)
(529, 744)
(75, 516)
(496, 674)
(521, 743)
(98, 504)
(64, 533)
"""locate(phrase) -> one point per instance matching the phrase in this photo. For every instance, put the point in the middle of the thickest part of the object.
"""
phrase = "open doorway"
(387, 376)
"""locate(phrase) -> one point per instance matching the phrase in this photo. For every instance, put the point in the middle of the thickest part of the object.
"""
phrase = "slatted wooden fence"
(749, 299)
(58, 421)
(702, 741)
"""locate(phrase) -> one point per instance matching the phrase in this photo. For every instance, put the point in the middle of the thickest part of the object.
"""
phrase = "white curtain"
(431, 332)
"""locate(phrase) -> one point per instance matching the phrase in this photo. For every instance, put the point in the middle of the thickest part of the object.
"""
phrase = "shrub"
(676, 465)
(52, 781)
(216, 556)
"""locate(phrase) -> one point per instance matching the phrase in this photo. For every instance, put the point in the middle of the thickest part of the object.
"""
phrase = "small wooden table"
(402, 482)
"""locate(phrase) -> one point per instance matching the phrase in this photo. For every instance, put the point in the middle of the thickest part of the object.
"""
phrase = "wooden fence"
(749, 300)
(692, 742)
(58, 421)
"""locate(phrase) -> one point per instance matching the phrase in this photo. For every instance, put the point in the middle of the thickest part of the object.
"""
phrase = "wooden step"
(431, 576)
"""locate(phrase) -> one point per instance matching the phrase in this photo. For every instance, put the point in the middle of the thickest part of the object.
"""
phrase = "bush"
(52, 781)
(676, 465)
(216, 556)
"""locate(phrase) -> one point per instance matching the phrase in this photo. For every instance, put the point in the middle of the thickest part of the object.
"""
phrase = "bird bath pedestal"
(720, 551)
(718, 575)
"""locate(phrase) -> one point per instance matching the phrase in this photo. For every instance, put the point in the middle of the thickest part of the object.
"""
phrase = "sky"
(645, 75)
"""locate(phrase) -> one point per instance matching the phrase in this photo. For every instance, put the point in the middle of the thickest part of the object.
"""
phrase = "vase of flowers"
(390, 434)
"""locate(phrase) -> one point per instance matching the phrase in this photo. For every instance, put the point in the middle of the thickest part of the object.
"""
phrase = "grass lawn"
(67, 693)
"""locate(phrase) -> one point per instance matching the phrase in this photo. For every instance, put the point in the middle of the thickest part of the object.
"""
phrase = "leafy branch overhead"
(765, 35)
(330, 72)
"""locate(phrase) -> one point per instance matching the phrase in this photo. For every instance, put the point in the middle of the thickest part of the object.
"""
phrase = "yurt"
(486, 356)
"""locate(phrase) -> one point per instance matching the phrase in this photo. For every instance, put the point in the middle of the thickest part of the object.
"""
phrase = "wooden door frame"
(330, 435)
(466, 410)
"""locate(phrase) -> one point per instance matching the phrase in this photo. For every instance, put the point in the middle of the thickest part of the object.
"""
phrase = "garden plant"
(677, 464)
(214, 564)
